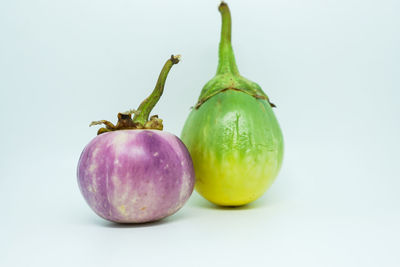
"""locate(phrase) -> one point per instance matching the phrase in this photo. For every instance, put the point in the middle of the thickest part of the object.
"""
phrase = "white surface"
(332, 68)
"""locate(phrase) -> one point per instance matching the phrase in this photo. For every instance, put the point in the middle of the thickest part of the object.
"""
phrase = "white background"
(331, 67)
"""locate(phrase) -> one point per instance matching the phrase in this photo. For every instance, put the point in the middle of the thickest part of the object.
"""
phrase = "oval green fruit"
(232, 133)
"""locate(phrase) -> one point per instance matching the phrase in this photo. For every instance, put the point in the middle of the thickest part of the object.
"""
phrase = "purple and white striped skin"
(135, 176)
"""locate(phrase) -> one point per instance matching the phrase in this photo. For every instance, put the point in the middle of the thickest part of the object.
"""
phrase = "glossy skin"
(236, 145)
(135, 176)
(232, 134)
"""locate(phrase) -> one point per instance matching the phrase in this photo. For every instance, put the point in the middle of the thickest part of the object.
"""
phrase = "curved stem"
(227, 63)
(143, 112)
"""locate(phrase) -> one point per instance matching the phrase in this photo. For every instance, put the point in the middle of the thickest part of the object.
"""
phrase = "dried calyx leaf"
(125, 122)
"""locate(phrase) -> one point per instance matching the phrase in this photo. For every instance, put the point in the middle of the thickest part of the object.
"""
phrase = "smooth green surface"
(236, 145)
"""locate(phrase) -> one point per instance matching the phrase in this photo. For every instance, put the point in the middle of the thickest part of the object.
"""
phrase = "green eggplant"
(232, 133)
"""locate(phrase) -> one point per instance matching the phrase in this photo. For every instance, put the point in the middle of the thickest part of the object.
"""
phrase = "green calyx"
(228, 77)
(141, 116)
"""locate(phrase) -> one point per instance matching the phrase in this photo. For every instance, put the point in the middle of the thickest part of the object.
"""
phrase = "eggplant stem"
(227, 63)
(141, 115)
(143, 112)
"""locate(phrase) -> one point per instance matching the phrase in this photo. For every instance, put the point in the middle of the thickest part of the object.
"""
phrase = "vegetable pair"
(134, 172)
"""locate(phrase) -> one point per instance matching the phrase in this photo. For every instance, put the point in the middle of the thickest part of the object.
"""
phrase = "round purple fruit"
(133, 172)
(135, 175)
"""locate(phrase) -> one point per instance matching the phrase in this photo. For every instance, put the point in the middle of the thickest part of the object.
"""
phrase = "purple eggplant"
(133, 172)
